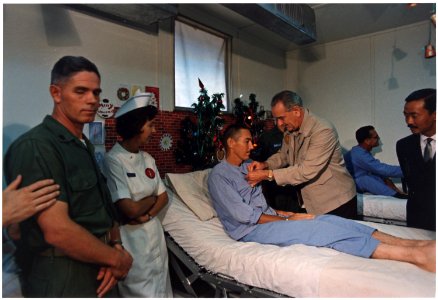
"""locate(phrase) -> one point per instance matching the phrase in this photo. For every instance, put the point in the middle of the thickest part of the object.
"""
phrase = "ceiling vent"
(294, 22)
(140, 16)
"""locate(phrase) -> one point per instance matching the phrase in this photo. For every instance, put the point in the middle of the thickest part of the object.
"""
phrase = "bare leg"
(396, 241)
(423, 256)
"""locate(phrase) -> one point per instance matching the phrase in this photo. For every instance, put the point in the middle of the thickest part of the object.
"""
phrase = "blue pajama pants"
(374, 185)
(323, 231)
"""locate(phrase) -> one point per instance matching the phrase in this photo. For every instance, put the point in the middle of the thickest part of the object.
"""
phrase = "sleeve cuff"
(120, 194)
(255, 217)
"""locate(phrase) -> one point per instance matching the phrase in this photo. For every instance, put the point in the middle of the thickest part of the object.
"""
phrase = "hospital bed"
(381, 209)
(197, 243)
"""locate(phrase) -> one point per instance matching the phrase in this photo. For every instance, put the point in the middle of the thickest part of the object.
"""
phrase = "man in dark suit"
(416, 154)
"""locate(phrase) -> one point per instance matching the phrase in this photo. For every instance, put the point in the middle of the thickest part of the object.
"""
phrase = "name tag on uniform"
(131, 174)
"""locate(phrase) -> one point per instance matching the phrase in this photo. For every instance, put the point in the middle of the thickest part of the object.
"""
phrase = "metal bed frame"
(383, 220)
(223, 285)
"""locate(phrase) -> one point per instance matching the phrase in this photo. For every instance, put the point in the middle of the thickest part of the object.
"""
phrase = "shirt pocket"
(84, 192)
(135, 187)
(141, 186)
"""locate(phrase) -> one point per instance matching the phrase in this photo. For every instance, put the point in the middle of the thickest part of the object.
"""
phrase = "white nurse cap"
(137, 101)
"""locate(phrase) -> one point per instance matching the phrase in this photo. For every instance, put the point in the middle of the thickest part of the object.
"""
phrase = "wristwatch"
(270, 175)
(115, 242)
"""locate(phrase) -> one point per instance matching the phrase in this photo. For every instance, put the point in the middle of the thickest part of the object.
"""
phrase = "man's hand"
(108, 281)
(254, 177)
(124, 263)
(20, 204)
(256, 165)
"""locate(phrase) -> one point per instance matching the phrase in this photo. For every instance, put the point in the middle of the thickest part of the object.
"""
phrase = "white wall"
(36, 36)
(362, 81)
(347, 82)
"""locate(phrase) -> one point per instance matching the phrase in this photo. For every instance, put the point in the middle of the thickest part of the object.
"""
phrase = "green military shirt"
(50, 151)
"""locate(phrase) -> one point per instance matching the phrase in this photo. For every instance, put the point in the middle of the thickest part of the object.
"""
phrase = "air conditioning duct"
(294, 22)
(139, 16)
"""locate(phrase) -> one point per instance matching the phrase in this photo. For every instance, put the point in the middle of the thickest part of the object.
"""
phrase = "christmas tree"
(200, 138)
(251, 116)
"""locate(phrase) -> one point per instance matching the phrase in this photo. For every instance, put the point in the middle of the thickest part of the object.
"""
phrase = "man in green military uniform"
(73, 248)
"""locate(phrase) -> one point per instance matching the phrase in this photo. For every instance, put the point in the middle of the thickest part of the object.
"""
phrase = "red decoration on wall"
(165, 160)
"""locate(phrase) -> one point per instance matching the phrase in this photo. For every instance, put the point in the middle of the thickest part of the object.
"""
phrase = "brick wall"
(167, 122)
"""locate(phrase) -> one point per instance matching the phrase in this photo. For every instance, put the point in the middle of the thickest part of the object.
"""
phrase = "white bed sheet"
(298, 270)
(378, 206)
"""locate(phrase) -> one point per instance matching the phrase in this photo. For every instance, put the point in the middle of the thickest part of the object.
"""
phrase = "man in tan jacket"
(310, 158)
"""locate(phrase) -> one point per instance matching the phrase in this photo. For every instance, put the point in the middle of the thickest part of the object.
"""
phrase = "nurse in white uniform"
(139, 194)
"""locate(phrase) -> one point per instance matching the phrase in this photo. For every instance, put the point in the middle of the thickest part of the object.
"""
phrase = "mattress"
(297, 270)
(385, 207)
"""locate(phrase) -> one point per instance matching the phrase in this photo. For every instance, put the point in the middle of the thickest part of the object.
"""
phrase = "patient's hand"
(283, 213)
(300, 216)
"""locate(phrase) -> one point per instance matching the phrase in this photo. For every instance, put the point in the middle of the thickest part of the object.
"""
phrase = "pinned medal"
(287, 139)
(149, 173)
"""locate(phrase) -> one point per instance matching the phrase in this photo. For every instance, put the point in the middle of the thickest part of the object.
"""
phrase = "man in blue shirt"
(371, 175)
(246, 217)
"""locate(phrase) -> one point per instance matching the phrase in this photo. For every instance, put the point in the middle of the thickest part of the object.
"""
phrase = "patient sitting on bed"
(246, 216)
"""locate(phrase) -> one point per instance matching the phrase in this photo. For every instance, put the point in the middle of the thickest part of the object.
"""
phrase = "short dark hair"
(288, 98)
(427, 95)
(363, 133)
(130, 124)
(67, 66)
(231, 131)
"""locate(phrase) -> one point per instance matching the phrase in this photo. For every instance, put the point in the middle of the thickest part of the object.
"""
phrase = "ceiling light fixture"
(429, 52)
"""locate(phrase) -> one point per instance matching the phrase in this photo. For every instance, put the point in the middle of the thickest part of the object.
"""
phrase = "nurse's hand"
(140, 220)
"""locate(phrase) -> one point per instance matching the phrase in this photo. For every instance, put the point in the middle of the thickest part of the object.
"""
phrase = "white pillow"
(193, 190)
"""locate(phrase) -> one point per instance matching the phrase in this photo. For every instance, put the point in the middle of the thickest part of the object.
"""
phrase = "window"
(199, 54)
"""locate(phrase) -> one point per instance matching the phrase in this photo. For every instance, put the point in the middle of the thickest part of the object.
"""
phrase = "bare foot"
(427, 257)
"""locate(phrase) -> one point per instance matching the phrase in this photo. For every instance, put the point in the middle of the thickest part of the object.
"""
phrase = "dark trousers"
(61, 277)
(347, 210)
(281, 197)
